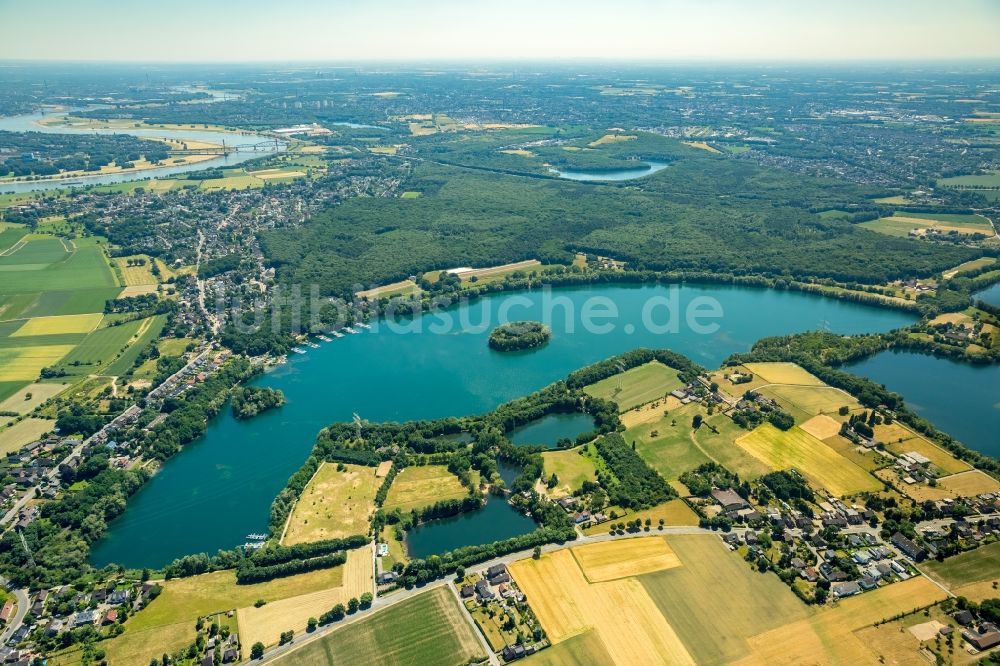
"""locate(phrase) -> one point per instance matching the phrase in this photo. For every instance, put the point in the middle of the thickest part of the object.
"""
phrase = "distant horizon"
(313, 31)
(473, 62)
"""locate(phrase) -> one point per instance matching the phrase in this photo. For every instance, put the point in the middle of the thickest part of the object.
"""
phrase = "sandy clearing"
(926, 630)
(821, 426)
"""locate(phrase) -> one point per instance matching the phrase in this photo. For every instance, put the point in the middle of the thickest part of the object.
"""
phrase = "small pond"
(495, 521)
(548, 430)
(646, 168)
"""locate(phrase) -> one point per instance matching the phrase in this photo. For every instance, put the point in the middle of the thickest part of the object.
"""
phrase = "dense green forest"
(731, 217)
(517, 335)
(44, 154)
(249, 401)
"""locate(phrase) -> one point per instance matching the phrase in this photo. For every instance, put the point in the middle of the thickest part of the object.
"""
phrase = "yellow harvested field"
(811, 399)
(649, 412)
(612, 138)
(951, 318)
(417, 487)
(977, 591)
(701, 145)
(136, 275)
(968, 484)
(383, 469)
(828, 637)
(496, 270)
(968, 266)
(266, 623)
(21, 403)
(279, 174)
(518, 151)
(783, 373)
(821, 426)
(80, 323)
(621, 612)
(418, 129)
(797, 449)
(893, 432)
(674, 513)
(137, 648)
(334, 504)
(137, 290)
(396, 288)
(25, 363)
(23, 432)
(621, 558)
(943, 227)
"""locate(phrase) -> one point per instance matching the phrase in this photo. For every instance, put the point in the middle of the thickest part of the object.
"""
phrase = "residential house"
(847, 589)
(729, 499)
(908, 547)
(983, 637)
(483, 590)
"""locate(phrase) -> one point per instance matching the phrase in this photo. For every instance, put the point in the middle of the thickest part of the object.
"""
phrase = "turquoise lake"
(961, 399)
(219, 489)
(991, 295)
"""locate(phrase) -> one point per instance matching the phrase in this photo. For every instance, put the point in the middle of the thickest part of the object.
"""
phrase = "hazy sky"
(258, 30)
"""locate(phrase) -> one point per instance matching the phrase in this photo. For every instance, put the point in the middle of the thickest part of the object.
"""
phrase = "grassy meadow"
(428, 628)
(795, 448)
(417, 487)
(334, 504)
(637, 386)
(571, 467)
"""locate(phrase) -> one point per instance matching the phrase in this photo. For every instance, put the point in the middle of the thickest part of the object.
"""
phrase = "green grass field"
(798, 449)
(958, 218)
(983, 180)
(980, 564)
(54, 303)
(149, 332)
(715, 588)
(902, 224)
(417, 487)
(666, 444)
(639, 385)
(426, 629)
(9, 235)
(721, 447)
(184, 599)
(584, 649)
(571, 468)
(43, 264)
(99, 349)
(168, 622)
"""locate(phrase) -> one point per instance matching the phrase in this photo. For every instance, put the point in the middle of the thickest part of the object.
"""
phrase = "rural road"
(399, 596)
(21, 596)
